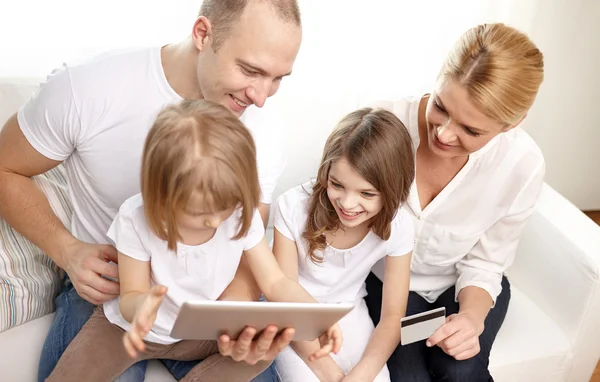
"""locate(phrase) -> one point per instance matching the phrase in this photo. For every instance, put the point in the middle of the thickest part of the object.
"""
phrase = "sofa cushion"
(530, 347)
(30, 280)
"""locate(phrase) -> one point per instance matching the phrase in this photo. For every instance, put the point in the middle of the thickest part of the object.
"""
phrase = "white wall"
(351, 53)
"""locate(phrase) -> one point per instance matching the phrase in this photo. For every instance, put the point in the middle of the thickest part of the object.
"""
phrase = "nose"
(259, 92)
(445, 132)
(348, 201)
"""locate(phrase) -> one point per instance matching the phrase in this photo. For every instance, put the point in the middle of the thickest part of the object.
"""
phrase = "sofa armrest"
(558, 267)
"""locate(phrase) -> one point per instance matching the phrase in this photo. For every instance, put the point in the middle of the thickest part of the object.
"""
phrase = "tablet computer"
(207, 320)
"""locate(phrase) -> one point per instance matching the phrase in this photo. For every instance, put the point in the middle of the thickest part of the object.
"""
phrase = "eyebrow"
(474, 129)
(257, 69)
(365, 190)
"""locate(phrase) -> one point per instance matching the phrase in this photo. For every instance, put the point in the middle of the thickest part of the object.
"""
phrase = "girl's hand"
(331, 341)
(142, 322)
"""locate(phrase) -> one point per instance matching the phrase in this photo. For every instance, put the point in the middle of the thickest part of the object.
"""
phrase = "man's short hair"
(224, 13)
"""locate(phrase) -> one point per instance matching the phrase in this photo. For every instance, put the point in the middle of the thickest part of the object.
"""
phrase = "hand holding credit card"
(421, 326)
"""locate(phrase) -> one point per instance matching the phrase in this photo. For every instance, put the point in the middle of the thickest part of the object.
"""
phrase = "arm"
(139, 303)
(24, 207)
(324, 368)
(480, 274)
(135, 284)
(386, 336)
(243, 287)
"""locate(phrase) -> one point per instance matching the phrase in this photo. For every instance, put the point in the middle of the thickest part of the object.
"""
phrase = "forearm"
(324, 368)
(129, 304)
(287, 290)
(26, 209)
(383, 342)
(475, 301)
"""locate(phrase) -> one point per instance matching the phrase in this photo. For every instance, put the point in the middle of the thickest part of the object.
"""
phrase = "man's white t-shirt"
(199, 272)
(95, 116)
(342, 274)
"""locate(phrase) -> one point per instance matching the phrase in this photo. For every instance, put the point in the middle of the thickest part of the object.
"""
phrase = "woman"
(478, 177)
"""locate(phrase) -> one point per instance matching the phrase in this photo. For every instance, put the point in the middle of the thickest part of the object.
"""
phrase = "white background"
(352, 52)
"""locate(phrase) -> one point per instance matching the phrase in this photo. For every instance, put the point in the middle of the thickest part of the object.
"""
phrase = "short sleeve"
(283, 214)
(49, 119)
(125, 232)
(402, 239)
(256, 232)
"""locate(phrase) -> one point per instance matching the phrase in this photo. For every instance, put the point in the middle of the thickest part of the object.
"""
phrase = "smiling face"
(455, 127)
(355, 200)
(248, 67)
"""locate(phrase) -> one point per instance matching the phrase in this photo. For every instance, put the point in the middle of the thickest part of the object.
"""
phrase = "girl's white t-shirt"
(191, 272)
(341, 276)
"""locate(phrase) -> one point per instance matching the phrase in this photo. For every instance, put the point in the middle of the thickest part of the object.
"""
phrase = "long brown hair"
(197, 146)
(378, 146)
(501, 69)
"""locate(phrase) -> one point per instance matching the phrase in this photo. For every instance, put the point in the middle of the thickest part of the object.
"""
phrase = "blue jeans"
(418, 363)
(72, 312)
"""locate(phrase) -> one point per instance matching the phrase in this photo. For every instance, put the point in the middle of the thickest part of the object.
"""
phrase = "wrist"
(478, 318)
(63, 249)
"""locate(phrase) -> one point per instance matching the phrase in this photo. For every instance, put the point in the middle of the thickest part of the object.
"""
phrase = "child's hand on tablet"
(331, 341)
(143, 320)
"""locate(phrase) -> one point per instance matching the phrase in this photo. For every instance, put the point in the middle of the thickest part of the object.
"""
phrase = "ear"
(201, 33)
(510, 127)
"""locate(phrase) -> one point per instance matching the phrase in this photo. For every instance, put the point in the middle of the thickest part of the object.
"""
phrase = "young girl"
(330, 233)
(182, 239)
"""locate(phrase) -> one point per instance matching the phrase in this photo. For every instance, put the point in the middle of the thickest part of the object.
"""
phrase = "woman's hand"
(331, 341)
(459, 336)
(143, 320)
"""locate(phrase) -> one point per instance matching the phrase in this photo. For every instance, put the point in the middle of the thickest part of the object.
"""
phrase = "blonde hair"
(197, 146)
(379, 148)
(501, 69)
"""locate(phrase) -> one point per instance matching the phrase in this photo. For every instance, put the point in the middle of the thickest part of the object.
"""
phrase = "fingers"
(466, 348)
(158, 291)
(336, 335)
(325, 350)
(445, 331)
(241, 347)
(264, 342)
(281, 342)
(225, 345)
(92, 295)
(110, 253)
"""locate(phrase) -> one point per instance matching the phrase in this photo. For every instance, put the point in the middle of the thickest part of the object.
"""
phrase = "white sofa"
(552, 329)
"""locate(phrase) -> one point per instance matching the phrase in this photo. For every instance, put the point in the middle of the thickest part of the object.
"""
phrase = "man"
(94, 116)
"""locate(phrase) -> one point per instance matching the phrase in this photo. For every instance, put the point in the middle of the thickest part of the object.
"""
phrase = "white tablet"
(207, 320)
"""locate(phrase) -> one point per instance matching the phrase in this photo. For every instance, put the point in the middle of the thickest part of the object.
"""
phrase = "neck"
(179, 64)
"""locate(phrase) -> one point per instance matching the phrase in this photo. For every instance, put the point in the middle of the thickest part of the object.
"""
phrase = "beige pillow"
(29, 280)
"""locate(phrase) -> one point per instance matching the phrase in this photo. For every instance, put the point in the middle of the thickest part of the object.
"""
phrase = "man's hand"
(459, 336)
(85, 263)
(265, 348)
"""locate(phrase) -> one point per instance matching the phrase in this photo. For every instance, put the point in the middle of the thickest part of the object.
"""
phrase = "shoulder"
(296, 197)
(133, 208)
(517, 149)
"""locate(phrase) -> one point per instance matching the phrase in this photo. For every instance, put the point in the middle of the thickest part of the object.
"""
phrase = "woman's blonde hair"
(379, 148)
(197, 146)
(501, 69)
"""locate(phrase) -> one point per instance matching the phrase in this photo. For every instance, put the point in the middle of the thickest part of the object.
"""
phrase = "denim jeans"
(418, 363)
(72, 312)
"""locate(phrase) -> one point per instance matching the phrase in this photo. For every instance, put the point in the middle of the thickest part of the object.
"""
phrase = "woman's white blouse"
(468, 234)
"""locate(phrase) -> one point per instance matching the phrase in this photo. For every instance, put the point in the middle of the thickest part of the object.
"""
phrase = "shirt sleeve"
(126, 236)
(49, 119)
(283, 215)
(256, 232)
(403, 234)
(485, 264)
